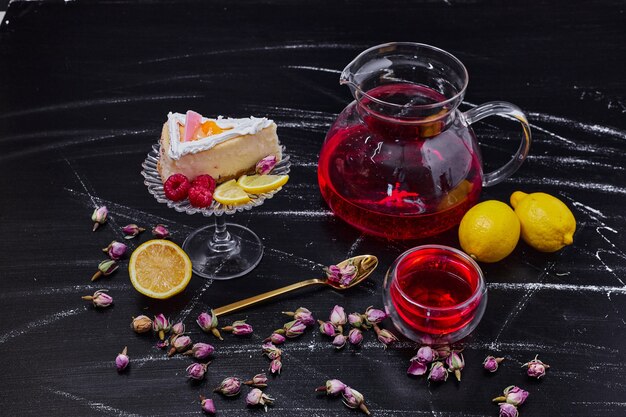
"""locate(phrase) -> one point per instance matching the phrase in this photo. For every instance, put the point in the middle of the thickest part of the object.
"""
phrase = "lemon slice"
(230, 194)
(159, 268)
(259, 184)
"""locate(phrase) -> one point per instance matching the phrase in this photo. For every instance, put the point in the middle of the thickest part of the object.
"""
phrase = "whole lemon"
(547, 223)
(489, 231)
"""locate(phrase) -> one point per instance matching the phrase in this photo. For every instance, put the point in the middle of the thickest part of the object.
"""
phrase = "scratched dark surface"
(84, 90)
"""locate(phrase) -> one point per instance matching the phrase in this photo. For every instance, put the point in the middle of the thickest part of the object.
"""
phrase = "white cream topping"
(236, 127)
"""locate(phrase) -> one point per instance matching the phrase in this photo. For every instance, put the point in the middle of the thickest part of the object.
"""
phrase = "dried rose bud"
(327, 328)
(122, 360)
(302, 314)
(131, 230)
(512, 395)
(355, 319)
(208, 323)
(162, 344)
(99, 299)
(426, 354)
(207, 405)
(417, 368)
(160, 231)
(354, 399)
(491, 363)
(179, 344)
(106, 267)
(258, 381)
(229, 387)
(443, 351)
(384, 336)
(374, 315)
(294, 328)
(266, 165)
(99, 217)
(197, 370)
(276, 338)
(141, 324)
(276, 365)
(115, 250)
(508, 410)
(536, 368)
(438, 372)
(161, 325)
(271, 351)
(341, 275)
(338, 317)
(332, 387)
(239, 328)
(178, 328)
(455, 363)
(339, 341)
(257, 397)
(355, 337)
(201, 351)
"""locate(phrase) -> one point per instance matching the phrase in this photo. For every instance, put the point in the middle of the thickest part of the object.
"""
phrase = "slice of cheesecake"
(224, 148)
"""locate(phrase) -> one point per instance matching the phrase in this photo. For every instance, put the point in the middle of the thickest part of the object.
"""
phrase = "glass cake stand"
(221, 250)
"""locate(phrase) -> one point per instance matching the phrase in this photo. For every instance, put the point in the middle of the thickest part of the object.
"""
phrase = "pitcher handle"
(502, 108)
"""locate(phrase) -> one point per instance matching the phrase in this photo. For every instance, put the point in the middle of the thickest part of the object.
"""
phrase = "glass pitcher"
(401, 161)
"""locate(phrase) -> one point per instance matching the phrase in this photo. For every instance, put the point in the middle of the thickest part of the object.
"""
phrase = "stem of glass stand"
(222, 241)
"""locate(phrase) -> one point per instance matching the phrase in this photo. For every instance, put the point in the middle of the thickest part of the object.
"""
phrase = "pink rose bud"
(105, 268)
(179, 344)
(208, 323)
(160, 231)
(438, 372)
(276, 338)
(197, 370)
(294, 328)
(275, 366)
(202, 351)
(508, 410)
(491, 363)
(239, 328)
(178, 328)
(338, 316)
(443, 351)
(161, 325)
(271, 351)
(131, 230)
(257, 397)
(99, 299)
(417, 368)
(374, 316)
(266, 165)
(122, 360)
(99, 216)
(302, 314)
(355, 319)
(332, 387)
(384, 336)
(515, 395)
(339, 341)
(258, 381)
(355, 337)
(141, 324)
(327, 328)
(354, 399)
(536, 368)
(455, 363)
(229, 386)
(207, 405)
(115, 250)
(426, 354)
(340, 275)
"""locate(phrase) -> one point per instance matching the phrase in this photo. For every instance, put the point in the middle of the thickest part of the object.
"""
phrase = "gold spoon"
(365, 265)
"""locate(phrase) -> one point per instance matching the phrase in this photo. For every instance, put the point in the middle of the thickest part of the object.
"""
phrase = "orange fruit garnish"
(159, 269)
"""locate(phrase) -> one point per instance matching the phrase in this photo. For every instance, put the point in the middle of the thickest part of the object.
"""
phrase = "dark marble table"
(84, 90)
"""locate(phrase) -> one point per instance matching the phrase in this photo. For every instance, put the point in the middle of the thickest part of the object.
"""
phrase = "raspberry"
(200, 196)
(205, 181)
(176, 187)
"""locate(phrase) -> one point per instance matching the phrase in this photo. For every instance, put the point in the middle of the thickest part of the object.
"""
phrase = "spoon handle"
(241, 304)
